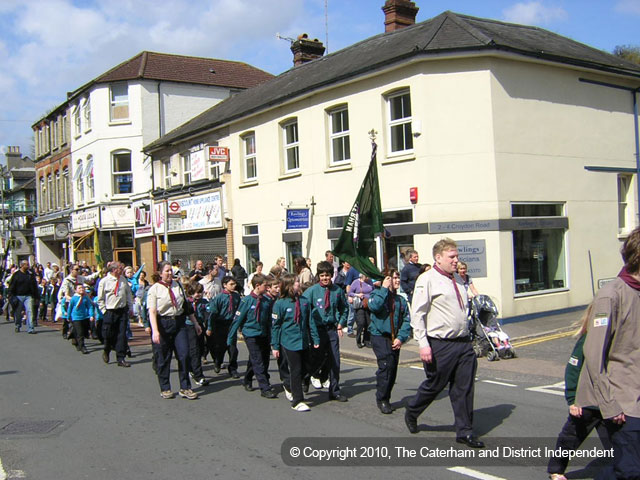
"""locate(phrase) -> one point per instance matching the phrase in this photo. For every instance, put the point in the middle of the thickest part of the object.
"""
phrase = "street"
(67, 415)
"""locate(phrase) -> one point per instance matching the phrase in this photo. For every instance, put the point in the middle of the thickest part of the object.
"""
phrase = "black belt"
(456, 339)
(117, 309)
(171, 317)
(329, 326)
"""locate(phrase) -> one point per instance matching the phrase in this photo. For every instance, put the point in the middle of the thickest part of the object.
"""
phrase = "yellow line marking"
(546, 338)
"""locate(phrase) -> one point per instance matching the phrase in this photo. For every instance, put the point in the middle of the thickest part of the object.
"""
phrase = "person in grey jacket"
(610, 377)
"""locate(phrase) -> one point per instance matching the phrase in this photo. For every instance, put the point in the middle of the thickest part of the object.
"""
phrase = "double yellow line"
(545, 338)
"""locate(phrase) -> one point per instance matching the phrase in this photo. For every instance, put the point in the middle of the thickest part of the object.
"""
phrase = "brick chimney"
(14, 157)
(305, 50)
(399, 14)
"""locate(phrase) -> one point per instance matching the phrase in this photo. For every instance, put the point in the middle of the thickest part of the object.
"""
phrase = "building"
(91, 170)
(18, 207)
(504, 137)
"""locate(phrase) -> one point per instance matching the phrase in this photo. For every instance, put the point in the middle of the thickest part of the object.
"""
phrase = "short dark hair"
(287, 284)
(226, 279)
(324, 267)
(631, 252)
(258, 279)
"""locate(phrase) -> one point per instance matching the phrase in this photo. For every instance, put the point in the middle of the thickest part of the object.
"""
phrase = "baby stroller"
(487, 336)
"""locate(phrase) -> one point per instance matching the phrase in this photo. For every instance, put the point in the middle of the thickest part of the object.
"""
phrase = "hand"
(360, 295)
(316, 346)
(198, 328)
(339, 328)
(276, 353)
(386, 283)
(155, 337)
(575, 411)
(426, 355)
(619, 419)
(147, 330)
(209, 332)
(396, 345)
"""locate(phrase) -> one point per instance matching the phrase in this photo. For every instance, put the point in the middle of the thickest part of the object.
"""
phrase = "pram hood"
(483, 309)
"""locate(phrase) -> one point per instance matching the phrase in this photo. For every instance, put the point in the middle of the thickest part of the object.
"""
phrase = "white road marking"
(499, 383)
(555, 389)
(3, 475)
(16, 474)
(416, 368)
(474, 473)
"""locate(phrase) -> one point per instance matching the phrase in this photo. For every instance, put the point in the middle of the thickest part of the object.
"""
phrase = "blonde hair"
(442, 245)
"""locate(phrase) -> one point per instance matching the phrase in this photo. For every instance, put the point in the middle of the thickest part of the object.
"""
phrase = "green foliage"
(630, 53)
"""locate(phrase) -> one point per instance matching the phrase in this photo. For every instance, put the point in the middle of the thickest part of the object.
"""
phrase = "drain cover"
(29, 427)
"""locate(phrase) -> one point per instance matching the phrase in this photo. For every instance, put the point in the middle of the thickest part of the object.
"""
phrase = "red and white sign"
(174, 207)
(218, 154)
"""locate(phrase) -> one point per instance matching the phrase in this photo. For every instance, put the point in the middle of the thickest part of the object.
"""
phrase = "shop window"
(294, 250)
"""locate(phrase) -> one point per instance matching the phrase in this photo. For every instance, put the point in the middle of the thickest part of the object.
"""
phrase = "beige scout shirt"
(107, 297)
(158, 297)
(610, 377)
(435, 308)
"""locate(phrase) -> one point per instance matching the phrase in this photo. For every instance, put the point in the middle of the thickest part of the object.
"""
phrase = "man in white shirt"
(440, 326)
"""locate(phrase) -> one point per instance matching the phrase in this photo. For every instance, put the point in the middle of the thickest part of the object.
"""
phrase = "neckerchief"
(629, 279)
(259, 299)
(327, 298)
(171, 294)
(115, 291)
(296, 315)
(80, 301)
(455, 285)
(230, 309)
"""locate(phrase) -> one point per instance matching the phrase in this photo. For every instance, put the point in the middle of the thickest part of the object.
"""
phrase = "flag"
(357, 240)
(96, 248)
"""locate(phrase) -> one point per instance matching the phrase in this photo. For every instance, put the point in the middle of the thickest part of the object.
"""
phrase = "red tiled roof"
(183, 69)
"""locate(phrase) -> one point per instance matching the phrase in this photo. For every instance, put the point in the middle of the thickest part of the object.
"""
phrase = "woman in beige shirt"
(168, 309)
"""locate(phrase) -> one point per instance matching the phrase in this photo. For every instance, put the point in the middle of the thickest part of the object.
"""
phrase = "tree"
(630, 53)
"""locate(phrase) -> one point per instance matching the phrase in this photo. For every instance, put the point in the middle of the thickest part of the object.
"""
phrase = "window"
(51, 200)
(79, 179)
(63, 130)
(119, 102)
(337, 221)
(400, 122)
(186, 169)
(397, 216)
(252, 247)
(214, 169)
(250, 165)
(76, 121)
(340, 147)
(250, 230)
(625, 204)
(54, 134)
(290, 141)
(66, 187)
(88, 175)
(166, 173)
(86, 113)
(43, 195)
(122, 176)
(294, 250)
(58, 196)
(539, 254)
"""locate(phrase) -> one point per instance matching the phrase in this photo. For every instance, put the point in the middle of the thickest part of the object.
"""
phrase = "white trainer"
(301, 407)
(316, 383)
(326, 383)
(287, 394)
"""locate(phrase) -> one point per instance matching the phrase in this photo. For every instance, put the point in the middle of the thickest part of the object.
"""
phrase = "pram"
(487, 336)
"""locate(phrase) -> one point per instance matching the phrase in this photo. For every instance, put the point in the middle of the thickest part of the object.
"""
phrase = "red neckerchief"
(171, 294)
(296, 315)
(230, 310)
(115, 292)
(80, 301)
(327, 298)
(627, 278)
(259, 299)
(455, 285)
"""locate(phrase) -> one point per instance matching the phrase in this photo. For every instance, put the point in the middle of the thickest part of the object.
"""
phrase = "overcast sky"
(50, 47)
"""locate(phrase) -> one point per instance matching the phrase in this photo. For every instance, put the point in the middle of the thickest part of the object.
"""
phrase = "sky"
(50, 47)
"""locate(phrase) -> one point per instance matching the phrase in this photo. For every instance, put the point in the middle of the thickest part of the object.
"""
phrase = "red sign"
(218, 154)
(174, 207)
(413, 195)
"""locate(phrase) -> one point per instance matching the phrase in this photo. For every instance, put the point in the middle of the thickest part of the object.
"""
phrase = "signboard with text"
(297, 219)
(474, 254)
(196, 213)
(218, 154)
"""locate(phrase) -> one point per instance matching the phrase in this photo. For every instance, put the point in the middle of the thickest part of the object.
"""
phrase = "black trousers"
(387, 359)
(625, 440)
(195, 357)
(173, 336)
(298, 365)
(219, 347)
(283, 369)
(258, 365)
(325, 360)
(80, 331)
(454, 363)
(114, 328)
(574, 432)
(363, 319)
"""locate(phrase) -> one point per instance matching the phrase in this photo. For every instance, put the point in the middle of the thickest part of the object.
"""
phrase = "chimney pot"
(399, 14)
(305, 50)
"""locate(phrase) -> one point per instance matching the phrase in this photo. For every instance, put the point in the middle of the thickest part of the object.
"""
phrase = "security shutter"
(193, 246)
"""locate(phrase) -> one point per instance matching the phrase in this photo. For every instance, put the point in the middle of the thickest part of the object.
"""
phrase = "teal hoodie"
(338, 309)
(379, 306)
(286, 332)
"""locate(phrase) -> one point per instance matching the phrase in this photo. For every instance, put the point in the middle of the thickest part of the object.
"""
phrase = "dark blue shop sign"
(297, 219)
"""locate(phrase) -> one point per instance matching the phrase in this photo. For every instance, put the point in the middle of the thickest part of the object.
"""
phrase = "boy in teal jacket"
(221, 313)
(387, 338)
(253, 318)
(80, 314)
(329, 312)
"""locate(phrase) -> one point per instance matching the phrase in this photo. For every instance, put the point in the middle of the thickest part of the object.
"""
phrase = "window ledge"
(624, 235)
(116, 124)
(541, 292)
(338, 168)
(286, 176)
(248, 184)
(395, 158)
(87, 131)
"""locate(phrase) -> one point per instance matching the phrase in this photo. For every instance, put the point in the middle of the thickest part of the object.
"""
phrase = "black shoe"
(85, 351)
(216, 367)
(17, 329)
(105, 357)
(248, 387)
(470, 441)
(32, 332)
(368, 344)
(129, 354)
(269, 393)
(123, 363)
(385, 407)
(412, 423)
(339, 398)
(234, 374)
(360, 345)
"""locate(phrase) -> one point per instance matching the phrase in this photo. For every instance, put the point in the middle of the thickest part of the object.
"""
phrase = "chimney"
(399, 14)
(14, 157)
(305, 50)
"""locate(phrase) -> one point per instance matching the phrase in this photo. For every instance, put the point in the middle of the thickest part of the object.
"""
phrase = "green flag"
(357, 240)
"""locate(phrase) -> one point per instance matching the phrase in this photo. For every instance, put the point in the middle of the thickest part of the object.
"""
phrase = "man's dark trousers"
(453, 361)
(114, 327)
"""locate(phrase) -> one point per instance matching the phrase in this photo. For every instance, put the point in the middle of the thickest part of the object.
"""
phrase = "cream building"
(507, 138)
